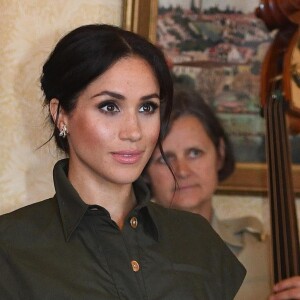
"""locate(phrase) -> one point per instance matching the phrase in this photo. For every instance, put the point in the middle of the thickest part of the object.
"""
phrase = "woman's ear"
(221, 154)
(57, 113)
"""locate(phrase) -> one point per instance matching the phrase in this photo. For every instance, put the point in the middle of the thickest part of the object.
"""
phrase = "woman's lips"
(186, 187)
(127, 157)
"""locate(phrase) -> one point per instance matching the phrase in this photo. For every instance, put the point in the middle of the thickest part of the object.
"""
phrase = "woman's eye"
(194, 153)
(168, 159)
(109, 107)
(148, 107)
(161, 160)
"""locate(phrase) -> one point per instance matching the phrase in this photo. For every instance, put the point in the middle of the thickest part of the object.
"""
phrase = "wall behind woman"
(28, 31)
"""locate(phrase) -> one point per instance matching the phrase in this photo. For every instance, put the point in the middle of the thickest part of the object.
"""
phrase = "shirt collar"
(72, 207)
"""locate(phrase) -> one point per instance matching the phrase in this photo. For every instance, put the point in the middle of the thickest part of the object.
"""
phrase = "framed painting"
(217, 47)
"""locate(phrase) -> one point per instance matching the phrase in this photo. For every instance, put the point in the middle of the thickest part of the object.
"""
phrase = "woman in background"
(109, 95)
(200, 154)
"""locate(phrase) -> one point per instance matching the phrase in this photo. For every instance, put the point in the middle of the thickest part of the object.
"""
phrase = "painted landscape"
(219, 52)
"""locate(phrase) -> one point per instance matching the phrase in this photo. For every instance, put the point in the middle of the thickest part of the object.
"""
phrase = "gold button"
(134, 222)
(135, 266)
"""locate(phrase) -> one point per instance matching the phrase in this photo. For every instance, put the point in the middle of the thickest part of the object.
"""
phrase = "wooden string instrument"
(282, 115)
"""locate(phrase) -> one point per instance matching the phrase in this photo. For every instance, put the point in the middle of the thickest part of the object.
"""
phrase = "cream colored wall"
(28, 31)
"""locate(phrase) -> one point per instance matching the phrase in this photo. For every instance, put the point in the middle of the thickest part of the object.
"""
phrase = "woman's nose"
(182, 168)
(130, 128)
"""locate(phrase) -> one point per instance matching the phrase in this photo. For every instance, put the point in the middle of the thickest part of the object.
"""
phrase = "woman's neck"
(117, 199)
(205, 210)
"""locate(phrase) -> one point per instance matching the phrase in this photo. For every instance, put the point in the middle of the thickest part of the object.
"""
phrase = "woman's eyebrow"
(151, 96)
(110, 93)
(169, 153)
(121, 97)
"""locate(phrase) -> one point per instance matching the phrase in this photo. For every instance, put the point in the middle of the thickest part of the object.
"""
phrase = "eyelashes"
(149, 107)
(190, 154)
(110, 107)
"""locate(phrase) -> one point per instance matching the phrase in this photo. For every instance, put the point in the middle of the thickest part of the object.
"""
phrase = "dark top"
(62, 248)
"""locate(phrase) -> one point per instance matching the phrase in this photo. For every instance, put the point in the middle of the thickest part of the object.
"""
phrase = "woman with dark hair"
(200, 154)
(109, 94)
(194, 138)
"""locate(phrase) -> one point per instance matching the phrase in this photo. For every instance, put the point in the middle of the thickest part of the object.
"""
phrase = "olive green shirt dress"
(63, 248)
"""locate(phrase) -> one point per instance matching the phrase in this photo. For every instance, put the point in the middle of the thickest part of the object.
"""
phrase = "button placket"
(133, 223)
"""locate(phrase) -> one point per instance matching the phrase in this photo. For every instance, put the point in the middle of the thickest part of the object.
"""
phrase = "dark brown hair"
(87, 52)
(189, 102)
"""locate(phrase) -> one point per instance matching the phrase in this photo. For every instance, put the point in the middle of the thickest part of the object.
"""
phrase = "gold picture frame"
(252, 178)
(140, 16)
